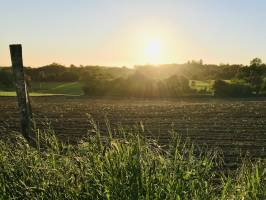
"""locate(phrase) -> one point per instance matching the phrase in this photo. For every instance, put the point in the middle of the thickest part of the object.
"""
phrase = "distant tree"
(255, 75)
(72, 66)
(196, 62)
(177, 85)
(256, 62)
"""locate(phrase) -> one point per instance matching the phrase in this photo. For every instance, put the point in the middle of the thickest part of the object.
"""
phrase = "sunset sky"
(129, 32)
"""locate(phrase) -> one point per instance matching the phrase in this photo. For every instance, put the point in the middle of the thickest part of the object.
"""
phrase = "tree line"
(248, 81)
(169, 80)
(192, 70)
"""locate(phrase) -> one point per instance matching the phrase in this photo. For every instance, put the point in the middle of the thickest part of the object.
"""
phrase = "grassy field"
(201, 86)
(50, 89)
(205, 86)
(124, 166)
(70, 88)
(34, 94)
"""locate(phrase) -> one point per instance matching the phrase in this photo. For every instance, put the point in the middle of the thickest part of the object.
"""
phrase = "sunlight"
(153, 51)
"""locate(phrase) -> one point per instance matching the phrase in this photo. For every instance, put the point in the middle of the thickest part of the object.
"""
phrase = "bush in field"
(95, 84)
(177, 86)
(95, 87)
(224, 89)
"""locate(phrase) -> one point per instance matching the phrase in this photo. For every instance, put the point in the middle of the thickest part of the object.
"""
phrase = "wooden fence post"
(21, 90)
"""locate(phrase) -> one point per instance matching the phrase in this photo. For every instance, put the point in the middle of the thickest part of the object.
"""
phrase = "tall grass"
(124, 167)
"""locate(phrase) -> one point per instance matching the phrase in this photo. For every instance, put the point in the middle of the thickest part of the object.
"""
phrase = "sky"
(132, 32)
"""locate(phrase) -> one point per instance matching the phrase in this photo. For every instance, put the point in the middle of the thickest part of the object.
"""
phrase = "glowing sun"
(153, 51)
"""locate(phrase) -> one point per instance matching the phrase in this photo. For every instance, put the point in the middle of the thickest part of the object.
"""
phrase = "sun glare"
(153, 51)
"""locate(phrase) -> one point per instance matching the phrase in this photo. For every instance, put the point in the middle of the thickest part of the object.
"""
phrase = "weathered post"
(21, 90)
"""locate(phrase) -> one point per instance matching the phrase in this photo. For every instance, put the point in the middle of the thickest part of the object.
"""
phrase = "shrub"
(224, 89)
